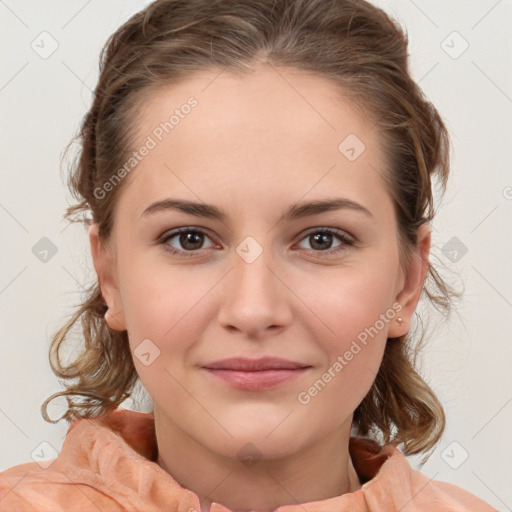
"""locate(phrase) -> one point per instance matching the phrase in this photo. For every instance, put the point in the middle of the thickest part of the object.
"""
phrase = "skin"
(253, 146)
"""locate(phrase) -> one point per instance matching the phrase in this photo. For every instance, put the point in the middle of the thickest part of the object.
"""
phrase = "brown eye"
(185, 240)
(191, 240)
(322, 240)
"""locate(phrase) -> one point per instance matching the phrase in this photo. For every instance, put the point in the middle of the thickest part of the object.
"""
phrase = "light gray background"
(467, 360)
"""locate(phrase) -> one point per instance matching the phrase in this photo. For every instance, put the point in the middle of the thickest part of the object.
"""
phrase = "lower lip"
(257, 380)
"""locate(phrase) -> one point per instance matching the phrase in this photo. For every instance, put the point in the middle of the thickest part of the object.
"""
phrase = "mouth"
(256, 374)
(251, 365)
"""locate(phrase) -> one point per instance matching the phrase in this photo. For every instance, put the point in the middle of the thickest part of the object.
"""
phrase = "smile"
(256, 380)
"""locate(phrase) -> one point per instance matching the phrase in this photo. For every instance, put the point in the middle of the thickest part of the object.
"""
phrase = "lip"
(250, 365)
(256, 374)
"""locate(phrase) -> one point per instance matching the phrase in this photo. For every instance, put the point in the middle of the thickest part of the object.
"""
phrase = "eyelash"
(346, 240)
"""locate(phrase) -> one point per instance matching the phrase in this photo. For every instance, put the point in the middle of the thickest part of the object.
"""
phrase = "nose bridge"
(252, 267)
(255, 297)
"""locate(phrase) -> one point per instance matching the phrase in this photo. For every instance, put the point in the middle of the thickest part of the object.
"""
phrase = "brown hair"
(350, 42)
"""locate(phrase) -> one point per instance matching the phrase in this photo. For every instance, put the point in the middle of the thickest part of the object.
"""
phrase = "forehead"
(274, 132)
(266, 101)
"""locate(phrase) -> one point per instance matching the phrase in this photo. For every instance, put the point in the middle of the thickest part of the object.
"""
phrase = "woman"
(259, 176)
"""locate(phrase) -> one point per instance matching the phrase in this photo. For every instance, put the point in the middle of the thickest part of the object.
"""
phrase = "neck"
(316, 472)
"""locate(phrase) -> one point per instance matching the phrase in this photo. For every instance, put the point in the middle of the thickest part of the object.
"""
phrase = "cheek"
(349, 303)
(335, 392)
(353, 353)
(157, 297)
(351, 321)
(166, 312)
(355, 348)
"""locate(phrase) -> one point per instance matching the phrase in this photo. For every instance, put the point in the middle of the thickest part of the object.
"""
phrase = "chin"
(262, 442)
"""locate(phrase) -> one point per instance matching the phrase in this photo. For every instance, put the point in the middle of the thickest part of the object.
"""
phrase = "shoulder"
(463, 499)
(10, 498)
(28, 487)
(397, 486)
(85, 475)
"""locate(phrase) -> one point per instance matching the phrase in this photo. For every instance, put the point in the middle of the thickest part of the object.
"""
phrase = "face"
(321, 287)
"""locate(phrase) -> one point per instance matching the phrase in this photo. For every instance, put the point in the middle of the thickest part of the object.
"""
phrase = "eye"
(321, 240)
(189, 240)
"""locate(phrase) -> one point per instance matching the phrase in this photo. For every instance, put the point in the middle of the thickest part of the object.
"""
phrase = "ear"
(104, 264)
(414, 279)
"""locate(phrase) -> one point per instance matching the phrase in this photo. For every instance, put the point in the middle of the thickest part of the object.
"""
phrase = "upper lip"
(251, 365)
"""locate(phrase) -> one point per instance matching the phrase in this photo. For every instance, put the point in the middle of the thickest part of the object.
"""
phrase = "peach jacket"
(108, 464)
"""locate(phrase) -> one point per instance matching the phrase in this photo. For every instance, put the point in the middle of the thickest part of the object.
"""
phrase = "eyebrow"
(295, 211)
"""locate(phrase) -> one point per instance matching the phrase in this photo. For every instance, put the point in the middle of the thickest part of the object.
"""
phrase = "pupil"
(188, 238)
(324, 237)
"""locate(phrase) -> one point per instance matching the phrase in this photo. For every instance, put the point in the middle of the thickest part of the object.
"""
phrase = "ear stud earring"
(400, 320)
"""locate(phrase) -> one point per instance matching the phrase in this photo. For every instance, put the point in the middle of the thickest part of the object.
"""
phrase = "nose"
(255, 299)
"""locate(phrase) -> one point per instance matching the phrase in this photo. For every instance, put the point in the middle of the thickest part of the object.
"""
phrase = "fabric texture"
(108, 464)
